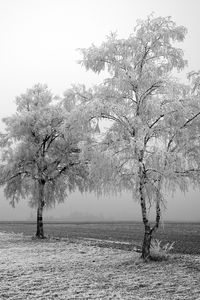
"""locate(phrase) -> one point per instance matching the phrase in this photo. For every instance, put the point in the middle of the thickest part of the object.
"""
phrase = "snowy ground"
(80, 269)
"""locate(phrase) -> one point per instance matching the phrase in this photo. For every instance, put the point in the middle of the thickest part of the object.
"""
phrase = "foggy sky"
(122, 207)
(38, 42)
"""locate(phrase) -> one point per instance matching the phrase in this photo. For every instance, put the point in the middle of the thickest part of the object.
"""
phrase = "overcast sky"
(38, 42)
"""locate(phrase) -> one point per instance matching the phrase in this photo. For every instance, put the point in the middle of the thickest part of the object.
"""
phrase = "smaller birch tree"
(39, 160)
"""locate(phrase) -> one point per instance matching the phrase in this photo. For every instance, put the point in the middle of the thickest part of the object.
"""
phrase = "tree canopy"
(41, 158)
(152, 142)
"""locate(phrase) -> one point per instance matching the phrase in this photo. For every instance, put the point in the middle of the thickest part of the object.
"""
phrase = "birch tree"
(151, 116)
(41, 161)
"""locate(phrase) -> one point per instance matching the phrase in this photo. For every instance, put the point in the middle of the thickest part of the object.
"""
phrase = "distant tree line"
(53, 146)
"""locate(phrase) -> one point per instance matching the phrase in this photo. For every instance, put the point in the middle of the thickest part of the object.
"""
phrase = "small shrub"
(159, 252)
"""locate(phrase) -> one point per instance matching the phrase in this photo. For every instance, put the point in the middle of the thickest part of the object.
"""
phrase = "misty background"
(38, 43)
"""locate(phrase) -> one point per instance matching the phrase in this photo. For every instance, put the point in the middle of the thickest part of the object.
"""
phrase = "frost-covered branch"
(180, 128)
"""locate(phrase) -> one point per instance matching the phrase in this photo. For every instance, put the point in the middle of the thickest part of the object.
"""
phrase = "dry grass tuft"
(160, 252)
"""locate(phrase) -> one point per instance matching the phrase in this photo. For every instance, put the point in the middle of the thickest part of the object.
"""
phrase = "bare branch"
(117, 119)
(187, 172)
(156, 121)
(154, 170)
(190, 120)
(183, 126)
(152, 88)
(15, 175)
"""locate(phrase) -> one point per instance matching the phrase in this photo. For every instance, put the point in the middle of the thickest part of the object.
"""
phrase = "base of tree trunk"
(38, 236)
(146, 246)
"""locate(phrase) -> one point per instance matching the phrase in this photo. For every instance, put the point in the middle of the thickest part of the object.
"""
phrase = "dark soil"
(185, 235)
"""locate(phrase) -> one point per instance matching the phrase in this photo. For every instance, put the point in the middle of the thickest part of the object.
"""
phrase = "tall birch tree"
(152, 116)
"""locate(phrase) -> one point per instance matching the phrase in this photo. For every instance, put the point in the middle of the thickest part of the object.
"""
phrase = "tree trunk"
(40, 230)
(148, 230)
(146, 243)
(147, 235)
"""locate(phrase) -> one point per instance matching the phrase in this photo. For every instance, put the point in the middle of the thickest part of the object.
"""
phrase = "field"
(80, 269)
(185, 235)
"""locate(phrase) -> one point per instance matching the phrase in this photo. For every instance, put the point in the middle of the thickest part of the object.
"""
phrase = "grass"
(80, 269)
